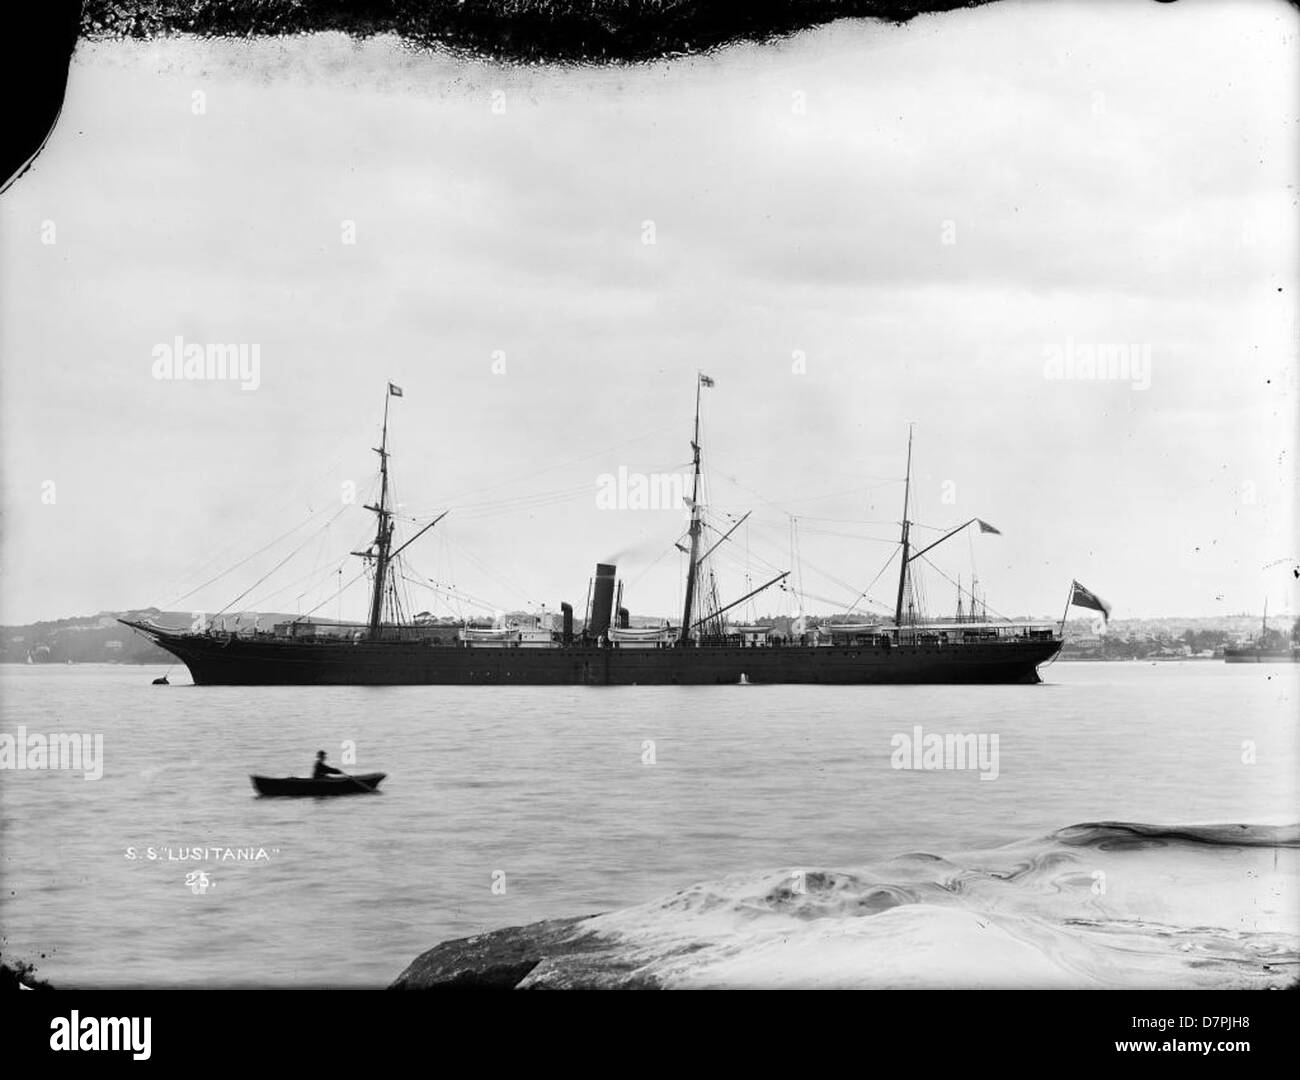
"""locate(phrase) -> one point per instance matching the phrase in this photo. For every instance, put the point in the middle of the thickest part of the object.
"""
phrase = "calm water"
(546, 792)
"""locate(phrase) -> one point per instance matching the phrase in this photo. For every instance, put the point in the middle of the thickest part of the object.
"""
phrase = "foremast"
(902, 572)
(382, 543)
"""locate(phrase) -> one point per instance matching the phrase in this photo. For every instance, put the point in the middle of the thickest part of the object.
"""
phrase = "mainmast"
(691, 570)
(902, 573)
(384, 530)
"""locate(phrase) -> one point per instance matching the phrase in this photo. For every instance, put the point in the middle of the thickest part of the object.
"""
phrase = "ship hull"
(1261, 656)
(253, 662)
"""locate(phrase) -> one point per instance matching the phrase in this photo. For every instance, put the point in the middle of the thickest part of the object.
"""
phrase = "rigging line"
(526, 498)
(811, 498)
(658, 559)
(518, 504)
(832, 578)
(839, 602)
(863, 595)
(499, 579)
(259, 551)
(855, 537)
(283, 536)
(782, 555)
(327, 599)
(255, 513)
(849, 521)
(411, 540)
(454, 594)
(856, 477)
(277, 566)
(314, 573)
(839, 494)
(818, 570)
(321, 551)
(833, 601)
(796, 558)
(778, 542)
(984, 605)
(559, 465)
(521, 509)
(757, 494)
(736, 560)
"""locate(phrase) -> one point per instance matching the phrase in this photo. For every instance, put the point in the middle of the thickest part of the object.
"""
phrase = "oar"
(360, 783)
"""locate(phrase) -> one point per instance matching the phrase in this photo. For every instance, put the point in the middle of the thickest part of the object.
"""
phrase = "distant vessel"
(703, 649)
(1260, 652)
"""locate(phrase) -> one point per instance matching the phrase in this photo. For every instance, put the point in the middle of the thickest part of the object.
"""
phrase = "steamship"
(1261, 650)
(606, 650)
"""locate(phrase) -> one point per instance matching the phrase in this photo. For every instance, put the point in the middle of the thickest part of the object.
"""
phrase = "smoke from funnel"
(639, 551)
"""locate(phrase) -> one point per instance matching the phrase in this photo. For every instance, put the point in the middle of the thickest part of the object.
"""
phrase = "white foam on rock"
(1096, 906)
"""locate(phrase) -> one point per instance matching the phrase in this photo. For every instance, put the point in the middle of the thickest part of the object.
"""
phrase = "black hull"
(1261, 656)
(327, 787)
(253, 662)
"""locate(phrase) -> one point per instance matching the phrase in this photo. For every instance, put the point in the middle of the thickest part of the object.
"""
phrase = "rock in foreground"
(1103, 905)
(558, 954)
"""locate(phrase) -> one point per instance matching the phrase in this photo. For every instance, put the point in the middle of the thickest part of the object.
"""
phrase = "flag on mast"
(395, 390)
(985, 527)
(1081, 597)
(705, 380)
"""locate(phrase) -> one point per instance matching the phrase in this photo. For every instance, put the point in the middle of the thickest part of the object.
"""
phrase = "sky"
(855, 230)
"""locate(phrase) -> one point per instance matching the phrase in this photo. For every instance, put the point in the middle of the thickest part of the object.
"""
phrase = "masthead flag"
(705, 380)
(396, 391)
(1081, 597)
(986, 527)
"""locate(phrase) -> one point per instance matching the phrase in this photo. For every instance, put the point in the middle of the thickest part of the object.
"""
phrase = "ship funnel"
(566, 613)
(602, 600)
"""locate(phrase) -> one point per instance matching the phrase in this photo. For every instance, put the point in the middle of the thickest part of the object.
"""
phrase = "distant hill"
(101, 639)
(91, 639)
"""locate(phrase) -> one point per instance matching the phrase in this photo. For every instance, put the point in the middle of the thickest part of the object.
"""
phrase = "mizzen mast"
(902, 572)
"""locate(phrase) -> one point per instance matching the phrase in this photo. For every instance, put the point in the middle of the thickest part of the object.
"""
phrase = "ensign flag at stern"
(1082, 597)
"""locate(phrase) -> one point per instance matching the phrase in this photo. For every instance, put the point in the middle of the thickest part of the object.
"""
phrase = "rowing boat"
(363, 784)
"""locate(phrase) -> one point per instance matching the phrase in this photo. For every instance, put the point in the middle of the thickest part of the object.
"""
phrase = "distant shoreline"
(1058, 660)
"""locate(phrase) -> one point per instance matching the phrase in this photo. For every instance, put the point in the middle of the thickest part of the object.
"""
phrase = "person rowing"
(321, 771)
